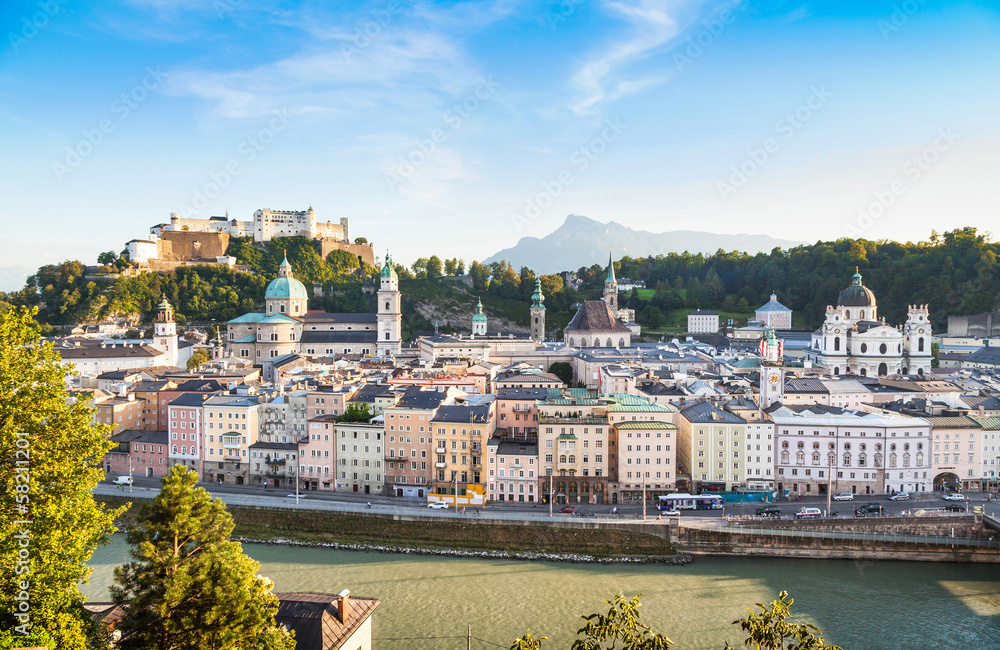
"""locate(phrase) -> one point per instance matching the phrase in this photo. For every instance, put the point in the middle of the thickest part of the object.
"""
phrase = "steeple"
(856, 278)
(538, 313)
(285, 269)
(538, 298)
(611, 287)
(479, 321)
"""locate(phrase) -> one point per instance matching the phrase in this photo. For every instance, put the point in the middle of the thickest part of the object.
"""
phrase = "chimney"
(343, 606)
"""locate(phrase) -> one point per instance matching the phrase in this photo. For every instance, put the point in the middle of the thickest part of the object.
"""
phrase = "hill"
(581, 241)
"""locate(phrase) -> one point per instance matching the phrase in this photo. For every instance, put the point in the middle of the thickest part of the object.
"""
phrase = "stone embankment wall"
(946, 526)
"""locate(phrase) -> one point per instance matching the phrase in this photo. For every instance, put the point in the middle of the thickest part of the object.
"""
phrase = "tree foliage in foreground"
(49, 450)
(622, 629)
(187, 586)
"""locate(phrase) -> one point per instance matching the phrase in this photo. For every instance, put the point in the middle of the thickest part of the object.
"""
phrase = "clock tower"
(772, 372)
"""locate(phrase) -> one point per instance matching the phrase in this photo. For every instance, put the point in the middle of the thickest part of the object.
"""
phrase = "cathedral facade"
(854, 340)
(287, 326)
(596, 323)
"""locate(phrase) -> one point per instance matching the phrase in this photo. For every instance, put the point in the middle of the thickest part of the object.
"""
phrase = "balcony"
(440, 465)
(393, 459)
(559, 420)
(476, 452)
(275, 461)
(440, 450)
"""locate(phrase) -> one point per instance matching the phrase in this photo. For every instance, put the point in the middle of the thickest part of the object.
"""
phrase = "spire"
(388, 270)
(538, 298)
(611, 271)
(284, 269)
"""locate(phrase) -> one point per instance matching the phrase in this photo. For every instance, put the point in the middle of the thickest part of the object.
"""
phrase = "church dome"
(285, 287)
(856, 295)
(479, 316)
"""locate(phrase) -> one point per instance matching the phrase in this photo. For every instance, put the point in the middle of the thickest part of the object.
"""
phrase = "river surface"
(858, 605)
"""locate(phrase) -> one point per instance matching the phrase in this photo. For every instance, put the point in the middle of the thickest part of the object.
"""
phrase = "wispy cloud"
(653, 24)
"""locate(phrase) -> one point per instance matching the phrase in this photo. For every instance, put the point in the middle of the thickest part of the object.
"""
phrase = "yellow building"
(231, 426)
(460, 435)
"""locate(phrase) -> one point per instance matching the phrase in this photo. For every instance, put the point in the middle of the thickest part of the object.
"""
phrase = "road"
(346, 501)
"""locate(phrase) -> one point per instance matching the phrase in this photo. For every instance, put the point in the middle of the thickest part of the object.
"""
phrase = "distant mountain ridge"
(581, 241)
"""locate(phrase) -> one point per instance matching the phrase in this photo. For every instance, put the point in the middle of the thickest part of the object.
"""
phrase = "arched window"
(920, 458)
(878, 460)
(862, 459)
(800, 458)
(583, 343)
(864, 372)
(831, 458)
(906, 460)
(847, 445)
(572, 459)
(847, 314)
(621, 343)
(920, 344)
(836, 344)
(815, 458)
(609, 343)
(836, 371)
(387, 305)
(562, 458)
(892, 460)
(847, 460)
(862, 314)
(784, 458)
(572, 343)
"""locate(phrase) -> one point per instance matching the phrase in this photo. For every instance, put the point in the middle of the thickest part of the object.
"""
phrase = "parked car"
(123, 480)
(809, 513)
(871, 509)
(954, 507)
(671, 512)
(568, 510)
(438, 505)
(768, 511)
(899, 496)
(954, 497)
(293, 496)
(843, 496)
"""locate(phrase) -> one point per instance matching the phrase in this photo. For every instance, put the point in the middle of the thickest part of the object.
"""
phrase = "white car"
(900, 496)
(954, 497)
(293, 496)
(843, 496)
(123, 480)
(438, 505)
(672, 512)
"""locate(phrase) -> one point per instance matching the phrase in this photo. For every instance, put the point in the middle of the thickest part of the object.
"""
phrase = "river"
(858, 605)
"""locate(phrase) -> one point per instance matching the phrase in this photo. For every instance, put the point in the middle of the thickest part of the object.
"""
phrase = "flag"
(781, 345)
(760, 347)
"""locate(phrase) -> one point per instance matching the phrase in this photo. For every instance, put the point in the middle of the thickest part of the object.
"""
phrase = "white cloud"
(653, 24)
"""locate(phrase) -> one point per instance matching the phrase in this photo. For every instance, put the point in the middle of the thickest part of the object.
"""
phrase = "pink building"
(145, 452)
(517, 410)
(185, 419)
(317, 457)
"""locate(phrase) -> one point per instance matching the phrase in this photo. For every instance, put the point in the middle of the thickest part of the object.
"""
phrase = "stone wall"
(364, 251)
(182, 245)
(943, 526)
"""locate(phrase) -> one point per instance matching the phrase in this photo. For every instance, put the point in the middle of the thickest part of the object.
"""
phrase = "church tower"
(389, 312)
(538, 313)
(772, 372)
(165, 331)
(611, 287)
(479, 321)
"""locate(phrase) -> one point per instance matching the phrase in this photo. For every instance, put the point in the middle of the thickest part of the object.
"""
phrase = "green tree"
(107, 257)
(199, 357)
(49, 450)
(188, 587)
(360, 240)
(935, 355)
(769, 630)
(563, 371)
(356, 412)
(420, 268)
(480, 276)
(450, 266)
(460, 267)
(434, 267)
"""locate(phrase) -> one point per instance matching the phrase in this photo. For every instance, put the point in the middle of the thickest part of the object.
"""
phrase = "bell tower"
(165, 331)
(772, 371)
(389, 312)
(611, 287)
(538, 313)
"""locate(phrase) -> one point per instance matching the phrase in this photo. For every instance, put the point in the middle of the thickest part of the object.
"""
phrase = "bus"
(684, 501)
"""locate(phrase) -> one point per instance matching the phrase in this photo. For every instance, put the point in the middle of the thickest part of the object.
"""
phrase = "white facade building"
(853, 340)
(703, 321)
(774, 315)
(759, 461)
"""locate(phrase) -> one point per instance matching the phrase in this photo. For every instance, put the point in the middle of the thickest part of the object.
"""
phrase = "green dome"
(388, 271)
(479, 316)
(286, 289)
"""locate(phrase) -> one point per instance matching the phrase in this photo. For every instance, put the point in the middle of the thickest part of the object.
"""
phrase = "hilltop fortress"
(204, 241)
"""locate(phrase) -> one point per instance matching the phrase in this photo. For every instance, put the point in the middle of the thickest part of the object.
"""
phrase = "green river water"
(858, 605)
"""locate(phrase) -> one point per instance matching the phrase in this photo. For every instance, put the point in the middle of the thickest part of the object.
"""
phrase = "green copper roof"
(388, 270)
(611, 271)
(286, 289)
(164, 303)
(479, 316)
(538, 298)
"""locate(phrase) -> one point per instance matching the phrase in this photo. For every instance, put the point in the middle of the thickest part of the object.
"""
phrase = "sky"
(456, 128)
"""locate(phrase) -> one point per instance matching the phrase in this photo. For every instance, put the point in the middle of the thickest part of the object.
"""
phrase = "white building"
(869, 453)
(359, 456)
(511, 469)
(759, 461)
(703, 321)
(853, 340)
(774, 315)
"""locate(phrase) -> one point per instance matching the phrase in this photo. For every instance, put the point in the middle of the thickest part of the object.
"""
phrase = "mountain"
(582, 242)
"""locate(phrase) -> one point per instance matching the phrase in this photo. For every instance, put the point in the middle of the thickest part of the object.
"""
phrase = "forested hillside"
(956, 273)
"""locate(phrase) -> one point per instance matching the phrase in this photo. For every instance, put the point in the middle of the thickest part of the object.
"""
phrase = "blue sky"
(455, 128)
